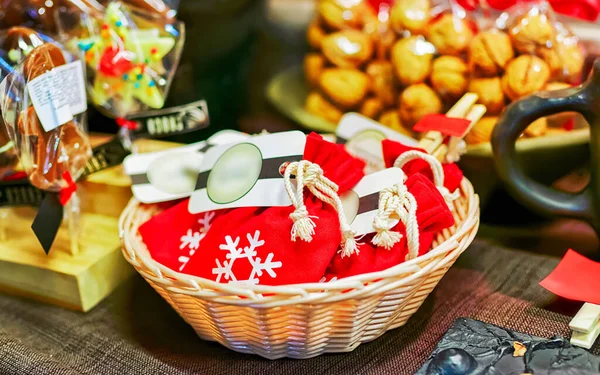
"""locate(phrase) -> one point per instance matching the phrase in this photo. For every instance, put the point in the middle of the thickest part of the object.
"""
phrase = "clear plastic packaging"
(397, 61)
(45, 153)
(42, 14)
(131, 57)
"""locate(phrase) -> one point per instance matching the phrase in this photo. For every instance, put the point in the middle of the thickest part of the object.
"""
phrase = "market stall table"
(134, 331)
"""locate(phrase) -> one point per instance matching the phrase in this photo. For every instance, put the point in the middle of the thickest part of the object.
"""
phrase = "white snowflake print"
(191, 240)
(225, 269)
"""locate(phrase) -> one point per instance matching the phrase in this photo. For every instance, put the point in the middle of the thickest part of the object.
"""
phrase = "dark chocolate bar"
(471, 347)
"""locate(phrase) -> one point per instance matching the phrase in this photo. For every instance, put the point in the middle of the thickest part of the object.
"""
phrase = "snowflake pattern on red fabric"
(225, 269)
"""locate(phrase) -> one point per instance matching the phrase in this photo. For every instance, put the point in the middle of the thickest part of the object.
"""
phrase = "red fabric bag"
(392, 150)
(285, 245)
(432, 215)
(174, 235)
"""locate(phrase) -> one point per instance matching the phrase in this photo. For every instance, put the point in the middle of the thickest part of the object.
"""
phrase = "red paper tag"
(575, 278)
(455, 127)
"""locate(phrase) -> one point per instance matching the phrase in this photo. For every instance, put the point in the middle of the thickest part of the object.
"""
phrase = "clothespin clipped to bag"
(444, 133)
(586, 326)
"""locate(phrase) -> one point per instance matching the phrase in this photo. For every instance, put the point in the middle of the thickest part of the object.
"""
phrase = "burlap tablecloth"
(135, 332)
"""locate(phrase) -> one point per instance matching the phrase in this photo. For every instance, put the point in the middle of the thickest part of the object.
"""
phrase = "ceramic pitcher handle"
(511, 124)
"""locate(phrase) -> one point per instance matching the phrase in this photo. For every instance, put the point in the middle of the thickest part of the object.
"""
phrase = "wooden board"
(76, 282)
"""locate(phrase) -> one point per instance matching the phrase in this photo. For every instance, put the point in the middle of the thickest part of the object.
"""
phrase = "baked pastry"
(416, 102)
(391, 119)
(537, 128)
(371, 107)
(490, 93)
(410, 15)
(314, 64)
(319, 106)
(412, 59)
(481, 132)
(315, 35)
(572, 59)
(341, 14)
(489, 52)
(450, 35)
(525, 75)
(553, 59)
(345, 87)
(551, 86)
(531, 31)
(383, 82)
(449, 77)
(347, 48)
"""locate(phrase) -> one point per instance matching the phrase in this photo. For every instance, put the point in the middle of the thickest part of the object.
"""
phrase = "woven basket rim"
(136, 253)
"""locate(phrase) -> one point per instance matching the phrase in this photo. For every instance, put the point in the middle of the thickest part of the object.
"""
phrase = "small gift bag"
(420, 210)
(291, 244)
(392, 150)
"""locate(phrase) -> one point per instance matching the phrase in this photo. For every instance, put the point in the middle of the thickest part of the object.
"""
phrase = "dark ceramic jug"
(584, 99)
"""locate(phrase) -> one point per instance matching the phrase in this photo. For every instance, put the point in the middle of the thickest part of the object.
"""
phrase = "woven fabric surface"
(135, 332)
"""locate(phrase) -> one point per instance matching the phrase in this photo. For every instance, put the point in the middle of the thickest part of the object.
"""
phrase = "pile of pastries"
(401, 62)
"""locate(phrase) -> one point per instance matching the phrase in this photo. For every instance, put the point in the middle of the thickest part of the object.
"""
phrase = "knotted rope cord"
(310, 175)
(397, 200)
(436, 168)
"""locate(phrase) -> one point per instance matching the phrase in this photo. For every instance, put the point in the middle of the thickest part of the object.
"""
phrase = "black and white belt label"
(172, 174)
(362, 202)
(362, 138)
(246, 173)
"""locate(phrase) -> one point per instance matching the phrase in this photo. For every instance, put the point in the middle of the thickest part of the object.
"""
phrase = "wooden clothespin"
(586, 326)
(434, 141)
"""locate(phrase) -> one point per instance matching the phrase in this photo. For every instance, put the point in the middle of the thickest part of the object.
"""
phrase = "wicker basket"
(304, 320)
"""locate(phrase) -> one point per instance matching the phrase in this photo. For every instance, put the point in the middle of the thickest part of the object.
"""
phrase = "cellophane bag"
(272, 245)
(45, 154)
(131, 57)
(521, 52)
(165, 10)
(393, 61)
(41, 15)
(424, 212)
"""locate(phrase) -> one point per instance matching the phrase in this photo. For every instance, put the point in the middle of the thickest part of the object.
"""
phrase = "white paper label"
(362, 202)
(58, 95)
(246, 174)
(362, 138)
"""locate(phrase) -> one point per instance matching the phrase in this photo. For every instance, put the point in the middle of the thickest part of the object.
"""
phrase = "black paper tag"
(171, 121)
(105, 156)
(48, 220)
(19, 193)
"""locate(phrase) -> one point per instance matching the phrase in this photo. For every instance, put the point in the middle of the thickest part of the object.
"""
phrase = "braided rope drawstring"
(310, 175)
(436, 168)
(397, 200)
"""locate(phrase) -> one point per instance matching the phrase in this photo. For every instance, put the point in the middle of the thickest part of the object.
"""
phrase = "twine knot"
(310, 175)
(436, 168)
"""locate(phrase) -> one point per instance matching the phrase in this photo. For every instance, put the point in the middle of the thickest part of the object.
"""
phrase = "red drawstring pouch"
(392, 150)
(430, 214)
(292, 244)
(174, 235)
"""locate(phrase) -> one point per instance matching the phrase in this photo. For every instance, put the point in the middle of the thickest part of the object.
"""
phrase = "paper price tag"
(362, 138)
(247, 173)
(58, 95)
(362, 202)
